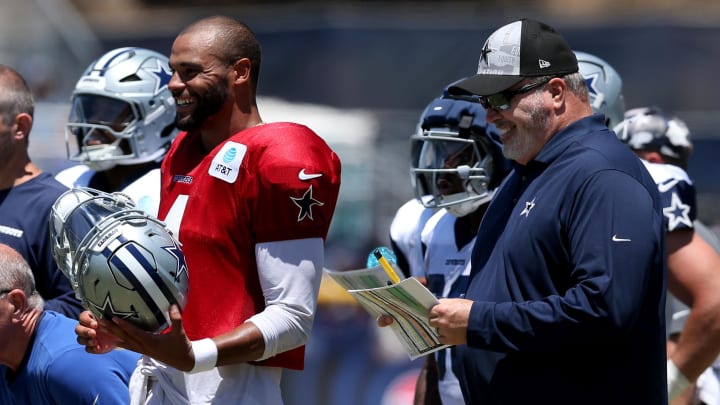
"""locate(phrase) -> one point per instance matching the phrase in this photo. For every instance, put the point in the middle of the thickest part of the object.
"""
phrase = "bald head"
(229, 40)
(15, 94)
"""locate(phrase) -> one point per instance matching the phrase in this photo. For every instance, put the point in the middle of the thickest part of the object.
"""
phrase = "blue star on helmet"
(162, 73)
(590, 82)
(305, 203)
(107, 308)
(677, 213)
(181, 267)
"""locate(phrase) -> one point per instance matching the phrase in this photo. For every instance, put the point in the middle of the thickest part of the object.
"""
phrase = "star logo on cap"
(484, 53)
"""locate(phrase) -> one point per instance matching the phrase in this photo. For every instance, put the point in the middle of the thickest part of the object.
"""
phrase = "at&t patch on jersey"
(226, 164)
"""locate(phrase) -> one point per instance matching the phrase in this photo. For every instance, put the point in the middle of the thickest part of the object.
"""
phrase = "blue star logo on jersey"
(305, 203)
(529, 205)
(677, 213)
(107, 308)
(181, 267)
(162, 73)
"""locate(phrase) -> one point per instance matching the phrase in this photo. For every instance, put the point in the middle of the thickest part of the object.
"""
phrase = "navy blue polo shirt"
(24, 226)
(569, 280)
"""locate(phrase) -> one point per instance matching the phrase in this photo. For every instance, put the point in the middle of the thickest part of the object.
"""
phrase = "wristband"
(677, 382)
(205, 353)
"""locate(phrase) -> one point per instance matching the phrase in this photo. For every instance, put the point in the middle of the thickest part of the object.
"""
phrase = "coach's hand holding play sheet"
(408, 302)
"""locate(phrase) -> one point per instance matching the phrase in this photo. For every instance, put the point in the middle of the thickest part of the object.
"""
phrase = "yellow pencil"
(386, 266)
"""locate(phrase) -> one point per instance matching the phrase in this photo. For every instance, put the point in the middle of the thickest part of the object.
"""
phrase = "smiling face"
(200, 82)
(524, 126)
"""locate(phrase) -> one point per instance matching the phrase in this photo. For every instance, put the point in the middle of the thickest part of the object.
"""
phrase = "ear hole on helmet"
(130, 78)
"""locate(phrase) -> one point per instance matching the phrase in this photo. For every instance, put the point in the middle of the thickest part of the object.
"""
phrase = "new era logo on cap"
(523, 48)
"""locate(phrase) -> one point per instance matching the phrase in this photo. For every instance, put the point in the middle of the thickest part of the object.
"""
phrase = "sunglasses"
(501, 101)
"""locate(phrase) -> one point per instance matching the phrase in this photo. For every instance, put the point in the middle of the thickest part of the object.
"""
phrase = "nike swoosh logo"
(667, 186)
(616, 239)
(305, 176)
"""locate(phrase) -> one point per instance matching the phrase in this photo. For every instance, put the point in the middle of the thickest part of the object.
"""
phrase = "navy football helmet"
(122, 110)
(604, 87)
(650, 129)
(456, 156)
(120, 261)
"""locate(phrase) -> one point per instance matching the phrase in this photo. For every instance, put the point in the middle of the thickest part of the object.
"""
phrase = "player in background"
(663, 143)
(457, 166)
(692, 277)
(121, 125)
(407, 224)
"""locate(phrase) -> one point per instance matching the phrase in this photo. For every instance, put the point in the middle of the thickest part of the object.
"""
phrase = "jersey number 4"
(174, 217)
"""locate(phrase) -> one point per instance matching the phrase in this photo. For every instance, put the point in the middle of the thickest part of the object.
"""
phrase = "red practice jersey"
(272, 182)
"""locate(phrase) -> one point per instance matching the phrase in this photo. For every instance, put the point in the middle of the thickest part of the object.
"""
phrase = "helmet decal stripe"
(106, 60)
(152, 272)
(140, 286)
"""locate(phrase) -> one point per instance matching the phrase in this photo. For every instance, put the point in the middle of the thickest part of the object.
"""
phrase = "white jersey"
(144, 191)
(448, 275)
(405, 232)
(677, 194)
(679, 208)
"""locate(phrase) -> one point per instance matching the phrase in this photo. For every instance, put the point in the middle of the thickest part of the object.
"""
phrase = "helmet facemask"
(455, 171)
(119, 260)
(103, 128)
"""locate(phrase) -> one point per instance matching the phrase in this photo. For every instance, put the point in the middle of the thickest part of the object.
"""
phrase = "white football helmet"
(650, 129)
(456, 156)
(604, 86)
(120, 261)
(122, 110)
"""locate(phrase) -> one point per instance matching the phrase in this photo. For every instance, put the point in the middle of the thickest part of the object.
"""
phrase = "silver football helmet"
(120, 261)
(456, 157)
(604, 86)
(649, 129)
(122, 110)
